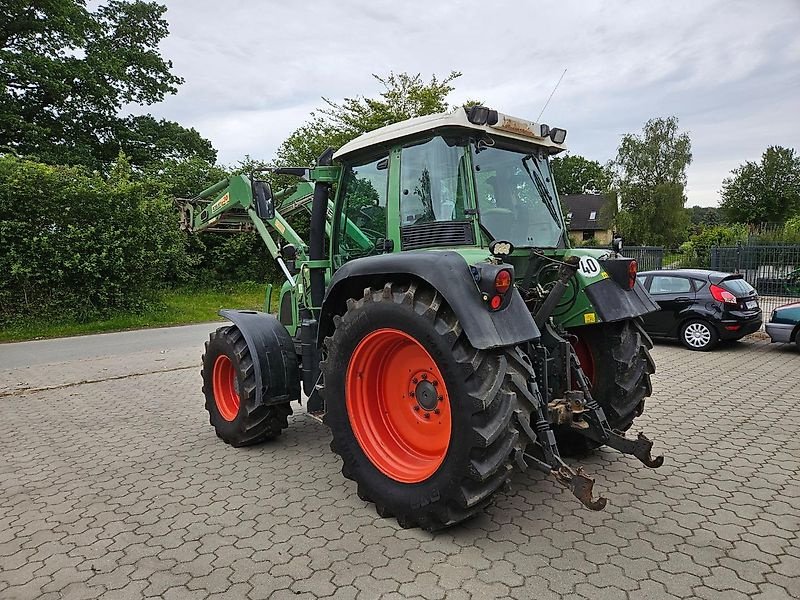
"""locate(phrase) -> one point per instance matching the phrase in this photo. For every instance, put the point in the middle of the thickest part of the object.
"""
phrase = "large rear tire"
(616, 359)
(421, 419)
(229, 387)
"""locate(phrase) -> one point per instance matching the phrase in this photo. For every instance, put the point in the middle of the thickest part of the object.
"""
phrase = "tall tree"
(765, 192)
(702, 216)
(403, 96)
(67, 71)
(575, 174)
(650, 175)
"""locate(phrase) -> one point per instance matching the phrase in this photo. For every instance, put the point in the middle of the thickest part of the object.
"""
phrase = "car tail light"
(496, 302)
(633, 268)
(722, 295)
(733, 327)
(502, 281)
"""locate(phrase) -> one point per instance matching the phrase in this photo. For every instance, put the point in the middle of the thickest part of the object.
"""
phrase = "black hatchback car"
(700, 307)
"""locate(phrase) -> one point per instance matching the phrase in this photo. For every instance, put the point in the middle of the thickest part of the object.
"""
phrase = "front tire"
(229, 386)
(420, 418)
(699, 335)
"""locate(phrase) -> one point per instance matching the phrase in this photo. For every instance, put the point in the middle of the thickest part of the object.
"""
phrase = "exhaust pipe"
(316, 250)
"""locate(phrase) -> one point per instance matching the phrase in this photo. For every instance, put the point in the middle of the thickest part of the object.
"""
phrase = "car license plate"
(752, 304)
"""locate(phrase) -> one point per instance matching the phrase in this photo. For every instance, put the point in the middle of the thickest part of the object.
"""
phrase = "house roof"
(581, 206)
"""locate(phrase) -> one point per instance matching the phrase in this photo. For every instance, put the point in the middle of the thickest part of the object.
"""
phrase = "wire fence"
(772, 269)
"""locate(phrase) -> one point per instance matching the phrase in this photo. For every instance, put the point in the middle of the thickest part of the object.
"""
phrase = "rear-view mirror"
(262, 195)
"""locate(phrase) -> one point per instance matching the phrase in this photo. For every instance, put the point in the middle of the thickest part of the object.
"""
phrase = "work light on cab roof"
(481, 115)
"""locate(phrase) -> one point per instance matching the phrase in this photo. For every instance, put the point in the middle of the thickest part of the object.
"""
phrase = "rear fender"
(449, 274)
(274, 356)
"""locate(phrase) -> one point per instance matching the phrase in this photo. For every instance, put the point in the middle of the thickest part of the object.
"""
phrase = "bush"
(696, 251)
(78, 245)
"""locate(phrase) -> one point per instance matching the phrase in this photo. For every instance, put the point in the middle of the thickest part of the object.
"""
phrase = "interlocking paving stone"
(118, 488)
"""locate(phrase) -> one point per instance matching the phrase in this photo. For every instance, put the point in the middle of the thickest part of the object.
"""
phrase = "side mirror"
(616, 245)
(262, 195)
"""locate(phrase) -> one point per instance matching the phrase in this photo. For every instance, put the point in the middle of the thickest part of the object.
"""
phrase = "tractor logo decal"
(221, 202)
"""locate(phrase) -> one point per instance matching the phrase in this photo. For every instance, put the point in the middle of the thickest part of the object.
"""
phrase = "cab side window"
(363, 221)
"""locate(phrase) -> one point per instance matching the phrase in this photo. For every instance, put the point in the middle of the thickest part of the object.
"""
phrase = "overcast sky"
(729, 70)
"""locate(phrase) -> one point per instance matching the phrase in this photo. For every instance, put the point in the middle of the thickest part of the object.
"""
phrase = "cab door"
(674, 294)
(361, 227)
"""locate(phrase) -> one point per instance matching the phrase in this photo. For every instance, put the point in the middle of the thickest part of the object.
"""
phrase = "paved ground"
(112, 485)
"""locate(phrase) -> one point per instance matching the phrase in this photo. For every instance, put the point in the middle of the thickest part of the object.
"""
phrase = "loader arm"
(228, 207)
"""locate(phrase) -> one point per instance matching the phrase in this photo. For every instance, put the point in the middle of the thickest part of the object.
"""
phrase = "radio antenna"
(550, 97)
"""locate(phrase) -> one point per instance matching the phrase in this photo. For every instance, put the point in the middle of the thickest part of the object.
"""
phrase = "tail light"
(502, 281)
(722, 295)
(633, 269)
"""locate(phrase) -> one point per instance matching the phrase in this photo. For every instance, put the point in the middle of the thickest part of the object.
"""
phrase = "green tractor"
(437, 319)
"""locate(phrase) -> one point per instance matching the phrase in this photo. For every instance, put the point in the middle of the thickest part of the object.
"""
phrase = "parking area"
(113, 485)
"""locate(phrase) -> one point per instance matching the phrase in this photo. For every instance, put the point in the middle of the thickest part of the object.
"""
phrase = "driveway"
(113, 485)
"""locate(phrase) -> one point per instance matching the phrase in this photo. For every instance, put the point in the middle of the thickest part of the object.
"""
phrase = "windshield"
(516, 197)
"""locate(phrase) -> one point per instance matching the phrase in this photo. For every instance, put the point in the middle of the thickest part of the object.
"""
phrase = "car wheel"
(699, 335)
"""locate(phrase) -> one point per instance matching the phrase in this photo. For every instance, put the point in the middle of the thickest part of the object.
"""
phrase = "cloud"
(730, 70)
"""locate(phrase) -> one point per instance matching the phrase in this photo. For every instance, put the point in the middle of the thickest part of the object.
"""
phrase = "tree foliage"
(650, 176)
(403, 96)
(575, 174)
(764, 192)
(66, 72)
(705, 216)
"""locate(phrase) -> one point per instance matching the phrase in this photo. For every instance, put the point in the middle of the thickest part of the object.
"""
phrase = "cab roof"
(506, 126)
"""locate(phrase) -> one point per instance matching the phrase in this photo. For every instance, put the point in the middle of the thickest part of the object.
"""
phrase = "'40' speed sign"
(589, 267)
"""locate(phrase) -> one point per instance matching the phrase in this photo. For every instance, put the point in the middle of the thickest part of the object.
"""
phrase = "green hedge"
(77, 244)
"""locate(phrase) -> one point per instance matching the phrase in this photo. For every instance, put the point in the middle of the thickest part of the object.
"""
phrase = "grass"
(180, 306)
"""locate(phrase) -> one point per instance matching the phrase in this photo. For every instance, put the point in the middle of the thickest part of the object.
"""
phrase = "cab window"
(432, 177)
(363, 222)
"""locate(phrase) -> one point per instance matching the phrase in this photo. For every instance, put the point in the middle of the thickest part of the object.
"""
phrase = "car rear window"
(738, 287)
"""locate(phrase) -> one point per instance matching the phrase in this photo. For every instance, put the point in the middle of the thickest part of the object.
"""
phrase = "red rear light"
(633, 268)
(502, 282)
(722, 295)
(495, 302)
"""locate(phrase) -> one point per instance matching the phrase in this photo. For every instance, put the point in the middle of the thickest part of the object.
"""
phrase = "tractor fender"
(274, 355)
(449, 274)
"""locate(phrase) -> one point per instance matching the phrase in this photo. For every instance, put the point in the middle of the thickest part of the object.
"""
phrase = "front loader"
(436, 319)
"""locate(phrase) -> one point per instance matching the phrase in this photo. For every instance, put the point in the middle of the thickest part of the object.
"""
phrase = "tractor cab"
(458, 179)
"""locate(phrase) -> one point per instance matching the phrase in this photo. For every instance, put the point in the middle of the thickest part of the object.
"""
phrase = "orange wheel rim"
(398, 406)
(586, 358)
(225, 394)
